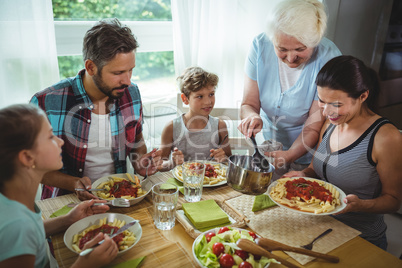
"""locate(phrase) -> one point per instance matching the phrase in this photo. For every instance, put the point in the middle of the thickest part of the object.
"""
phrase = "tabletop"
(173, 248)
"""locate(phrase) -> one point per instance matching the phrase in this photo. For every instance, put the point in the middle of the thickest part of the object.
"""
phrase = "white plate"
(342, 195)
(214, 231)
(174, 171)
(146, 186)
(84, 223)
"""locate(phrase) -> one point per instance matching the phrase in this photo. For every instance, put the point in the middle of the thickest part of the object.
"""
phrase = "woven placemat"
(293, 228)
(49, 206)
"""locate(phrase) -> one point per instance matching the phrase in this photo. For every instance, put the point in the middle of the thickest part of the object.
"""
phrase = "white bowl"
(82, 224)
(215, 230)
(146, 186)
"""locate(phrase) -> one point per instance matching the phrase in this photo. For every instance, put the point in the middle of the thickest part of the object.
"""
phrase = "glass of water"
(193, 180)
(164, 197)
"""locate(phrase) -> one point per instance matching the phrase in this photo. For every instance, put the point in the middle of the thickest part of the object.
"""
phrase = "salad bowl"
(217, 248)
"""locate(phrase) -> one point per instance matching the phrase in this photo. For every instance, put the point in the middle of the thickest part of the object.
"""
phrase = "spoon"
(258, 159)
(271, 245)
(255, 249)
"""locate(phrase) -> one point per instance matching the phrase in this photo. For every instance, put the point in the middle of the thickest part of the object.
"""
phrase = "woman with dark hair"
(28, 149)
(359, 151)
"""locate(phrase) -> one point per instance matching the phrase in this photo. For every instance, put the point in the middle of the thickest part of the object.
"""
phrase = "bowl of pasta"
(124, 185)
(85, 229)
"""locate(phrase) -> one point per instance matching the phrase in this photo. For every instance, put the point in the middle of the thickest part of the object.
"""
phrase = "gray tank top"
(195, 145)
(353, 170)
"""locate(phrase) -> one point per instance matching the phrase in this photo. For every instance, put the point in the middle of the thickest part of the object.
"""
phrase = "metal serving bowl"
(246, 176)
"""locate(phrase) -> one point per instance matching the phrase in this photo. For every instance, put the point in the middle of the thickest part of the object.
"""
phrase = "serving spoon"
(271, 245)
(258, 159)
(253, 248)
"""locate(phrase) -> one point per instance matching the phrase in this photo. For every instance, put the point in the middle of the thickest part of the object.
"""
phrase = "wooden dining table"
(173, 248)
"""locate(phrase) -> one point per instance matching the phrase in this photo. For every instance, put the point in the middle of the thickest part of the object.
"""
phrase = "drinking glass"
(193, 180)
(164, 197)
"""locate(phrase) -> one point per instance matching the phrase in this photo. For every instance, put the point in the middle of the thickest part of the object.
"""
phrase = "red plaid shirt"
(68, 109)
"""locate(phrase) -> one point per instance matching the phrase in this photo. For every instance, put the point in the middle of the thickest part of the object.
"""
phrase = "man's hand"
(84, 183)
(152, 161)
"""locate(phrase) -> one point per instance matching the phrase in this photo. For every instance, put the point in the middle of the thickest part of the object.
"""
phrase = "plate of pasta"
(307, 195)
(85, 229)
(215, 174)
(123, 185)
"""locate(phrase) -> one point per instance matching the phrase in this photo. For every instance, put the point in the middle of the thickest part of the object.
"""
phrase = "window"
(150, 21)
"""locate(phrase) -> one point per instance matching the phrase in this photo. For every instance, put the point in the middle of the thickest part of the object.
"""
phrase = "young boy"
(196, 135)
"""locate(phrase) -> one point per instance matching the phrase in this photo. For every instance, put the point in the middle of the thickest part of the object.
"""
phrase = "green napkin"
(205, 214)
(128, 264)
(177, 183)
(261, 202)
(63, 211)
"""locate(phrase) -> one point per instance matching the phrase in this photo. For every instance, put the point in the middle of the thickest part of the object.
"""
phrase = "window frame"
(153, 36)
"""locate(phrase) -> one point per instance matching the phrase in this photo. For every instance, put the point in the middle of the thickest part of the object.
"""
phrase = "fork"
(310, 246)
(117, 202)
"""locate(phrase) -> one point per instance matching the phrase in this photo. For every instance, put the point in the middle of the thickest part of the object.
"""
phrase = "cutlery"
(117, 202)
(89, 190)
(122, 229)
(222, 141)
(253, 248)
(310, 245)
(258, 159)
(271, 245)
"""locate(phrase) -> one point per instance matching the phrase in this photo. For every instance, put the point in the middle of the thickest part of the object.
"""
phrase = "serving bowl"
(245, 176)
(215, 231)
(84, 223)
(145, 185)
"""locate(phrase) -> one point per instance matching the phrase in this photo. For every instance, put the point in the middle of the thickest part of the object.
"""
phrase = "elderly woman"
(279, 85)
(359, 151)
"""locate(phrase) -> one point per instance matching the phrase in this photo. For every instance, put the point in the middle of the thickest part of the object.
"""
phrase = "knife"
(122, 229)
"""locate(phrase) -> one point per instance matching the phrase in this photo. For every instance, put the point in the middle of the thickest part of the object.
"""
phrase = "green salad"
(217, 248)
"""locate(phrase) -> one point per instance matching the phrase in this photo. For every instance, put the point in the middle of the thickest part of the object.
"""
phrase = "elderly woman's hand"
(250, 126)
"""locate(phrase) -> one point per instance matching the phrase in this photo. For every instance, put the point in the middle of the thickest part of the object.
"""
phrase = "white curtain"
(28, 58)
(216, 35)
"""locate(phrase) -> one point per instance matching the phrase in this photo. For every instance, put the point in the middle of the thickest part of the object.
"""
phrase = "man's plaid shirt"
(68, 109)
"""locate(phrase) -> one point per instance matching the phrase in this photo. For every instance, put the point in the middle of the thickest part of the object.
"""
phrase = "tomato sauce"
(210, 171)
(122, 188)
(306, 189)
(106, 229)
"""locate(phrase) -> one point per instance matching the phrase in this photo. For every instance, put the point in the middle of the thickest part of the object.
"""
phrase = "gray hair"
(305, 20)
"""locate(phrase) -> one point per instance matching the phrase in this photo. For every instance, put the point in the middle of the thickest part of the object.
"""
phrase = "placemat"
(159, 251)
(294, 229)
